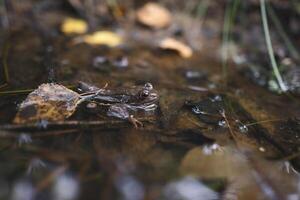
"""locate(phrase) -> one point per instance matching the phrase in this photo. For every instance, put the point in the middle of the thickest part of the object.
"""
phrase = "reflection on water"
(23, 190)
(65, 187)
(130, 188)
(35, 164)
(189, 188)
(4, 189)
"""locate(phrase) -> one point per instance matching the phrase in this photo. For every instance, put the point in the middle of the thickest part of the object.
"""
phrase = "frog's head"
(148, 94)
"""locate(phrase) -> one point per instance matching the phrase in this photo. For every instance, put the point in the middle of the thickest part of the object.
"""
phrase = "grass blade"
(269, 46)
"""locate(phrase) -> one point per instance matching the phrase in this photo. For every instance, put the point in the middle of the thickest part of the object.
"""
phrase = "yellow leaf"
(103, 38)
(71, 26)
(172, 44)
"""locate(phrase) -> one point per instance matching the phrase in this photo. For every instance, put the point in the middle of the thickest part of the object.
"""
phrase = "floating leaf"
(103, 38)
(74, 26)
(154, 15)
(172, 44)
(50, 101)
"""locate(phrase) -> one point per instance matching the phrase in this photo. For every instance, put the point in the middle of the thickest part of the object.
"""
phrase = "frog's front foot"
(135, 122)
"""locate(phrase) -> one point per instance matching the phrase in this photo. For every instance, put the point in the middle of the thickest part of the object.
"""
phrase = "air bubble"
(243, 128)
(222, 123)
(216, 98)
(197, 110)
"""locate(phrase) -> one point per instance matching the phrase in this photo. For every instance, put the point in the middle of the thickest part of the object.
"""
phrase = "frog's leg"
(120, 111)
(136, 123)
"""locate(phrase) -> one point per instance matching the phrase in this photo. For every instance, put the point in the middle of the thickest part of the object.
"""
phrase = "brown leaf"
(154, 15)
(172, 44)
(49, 101)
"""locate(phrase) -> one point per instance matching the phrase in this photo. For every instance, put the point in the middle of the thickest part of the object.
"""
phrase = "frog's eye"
(148, 86)
(144, 93)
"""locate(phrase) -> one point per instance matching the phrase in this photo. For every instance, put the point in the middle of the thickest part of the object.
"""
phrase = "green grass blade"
(269, 46)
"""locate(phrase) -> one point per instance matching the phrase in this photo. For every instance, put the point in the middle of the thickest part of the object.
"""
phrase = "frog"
(122, 102)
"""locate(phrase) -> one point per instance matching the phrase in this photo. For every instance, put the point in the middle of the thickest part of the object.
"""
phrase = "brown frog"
(122, 102)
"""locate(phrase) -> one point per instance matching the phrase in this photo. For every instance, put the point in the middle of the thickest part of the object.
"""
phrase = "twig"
(66, 124)
(263, 121)
(235, 139)
(15, 92)
(26, 91)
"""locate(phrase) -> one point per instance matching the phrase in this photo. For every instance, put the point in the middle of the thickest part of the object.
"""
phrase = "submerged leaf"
(172, 44)
(154, 15)
(108, 38)
(49, 101)
(71, 26)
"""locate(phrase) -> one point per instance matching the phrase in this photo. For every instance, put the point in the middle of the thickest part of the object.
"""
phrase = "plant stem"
(269, 46)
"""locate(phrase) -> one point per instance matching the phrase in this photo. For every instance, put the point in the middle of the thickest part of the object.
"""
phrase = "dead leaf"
(154, 15)
(172, 44)
(74, 26)
(50, 101)
(108, 38)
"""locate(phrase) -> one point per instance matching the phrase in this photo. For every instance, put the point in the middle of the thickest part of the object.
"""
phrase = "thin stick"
(15, 92)
(229, 127)
(269, 46)
(263, 121)
(66, 124)
(25, 91)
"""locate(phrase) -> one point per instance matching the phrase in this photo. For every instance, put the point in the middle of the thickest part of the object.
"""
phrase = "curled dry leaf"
(74, 26)
(52, 102)
(154, 15)
(172, 44)
(108, 38)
